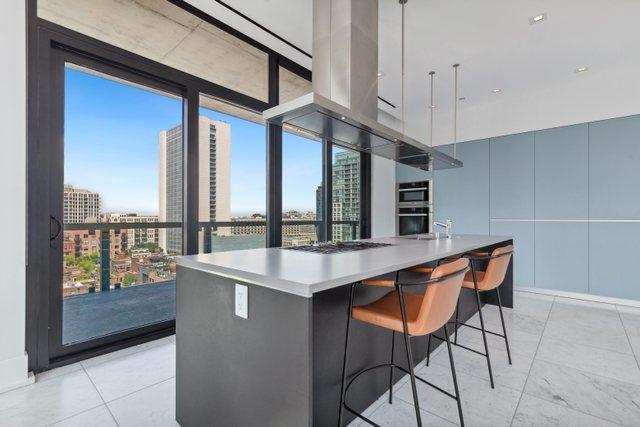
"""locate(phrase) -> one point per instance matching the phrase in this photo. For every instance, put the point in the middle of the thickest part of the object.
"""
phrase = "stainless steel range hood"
(343, 106)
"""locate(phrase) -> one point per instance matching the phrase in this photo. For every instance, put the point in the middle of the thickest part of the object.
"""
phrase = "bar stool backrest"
(496, 268)
(440, 298)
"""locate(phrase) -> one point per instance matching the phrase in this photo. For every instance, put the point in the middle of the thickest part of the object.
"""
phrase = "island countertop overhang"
(305, 273)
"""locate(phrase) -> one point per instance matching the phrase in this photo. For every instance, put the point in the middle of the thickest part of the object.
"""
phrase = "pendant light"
(455, 110)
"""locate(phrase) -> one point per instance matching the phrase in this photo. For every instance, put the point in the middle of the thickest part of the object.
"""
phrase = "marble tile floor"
(575, 364)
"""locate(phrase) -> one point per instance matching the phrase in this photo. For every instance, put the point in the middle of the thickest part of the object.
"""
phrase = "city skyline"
(111, 132)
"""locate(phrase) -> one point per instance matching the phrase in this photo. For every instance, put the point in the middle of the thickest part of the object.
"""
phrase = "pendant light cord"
(431, 108)
(455, 109)
(402, 2)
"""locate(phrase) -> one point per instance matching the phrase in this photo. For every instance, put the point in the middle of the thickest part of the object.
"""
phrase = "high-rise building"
(345, 193)
(319, 203)
(80, 205)
(213, 184)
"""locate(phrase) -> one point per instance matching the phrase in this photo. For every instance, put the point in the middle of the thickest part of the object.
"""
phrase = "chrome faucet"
(448, 226)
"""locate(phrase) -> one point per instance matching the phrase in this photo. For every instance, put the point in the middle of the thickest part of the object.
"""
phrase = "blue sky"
(111, 147)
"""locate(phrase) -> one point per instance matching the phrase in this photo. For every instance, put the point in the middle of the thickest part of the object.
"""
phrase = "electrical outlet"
(242, 301)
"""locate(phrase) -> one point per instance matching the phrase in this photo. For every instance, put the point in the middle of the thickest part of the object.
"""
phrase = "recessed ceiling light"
(538, 18)
(342, 118)
(582, 69)
(380, 74)
(495, 90)
(433, 106)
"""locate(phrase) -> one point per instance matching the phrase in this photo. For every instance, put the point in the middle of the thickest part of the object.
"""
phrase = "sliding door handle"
(58, 228)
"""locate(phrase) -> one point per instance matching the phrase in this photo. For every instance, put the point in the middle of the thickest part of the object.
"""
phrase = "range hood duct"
(343, 106)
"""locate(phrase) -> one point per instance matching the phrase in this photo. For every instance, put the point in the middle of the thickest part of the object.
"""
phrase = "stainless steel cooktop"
(337, 247)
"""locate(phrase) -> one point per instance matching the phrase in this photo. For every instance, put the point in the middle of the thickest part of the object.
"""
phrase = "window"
(301, 189)
(232, 183)
(165, 33)
(346, 194)
(123, 176)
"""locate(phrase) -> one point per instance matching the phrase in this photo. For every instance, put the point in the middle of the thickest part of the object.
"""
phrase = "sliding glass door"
(132, 163)
(231, 177)
(117, 203)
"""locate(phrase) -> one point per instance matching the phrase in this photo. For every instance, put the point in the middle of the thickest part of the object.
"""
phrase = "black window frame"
(46, 41)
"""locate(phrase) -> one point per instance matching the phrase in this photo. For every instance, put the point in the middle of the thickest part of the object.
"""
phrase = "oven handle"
(412, 189)
(413, 214)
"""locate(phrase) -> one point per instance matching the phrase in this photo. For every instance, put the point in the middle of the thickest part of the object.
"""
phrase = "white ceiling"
(533, 65)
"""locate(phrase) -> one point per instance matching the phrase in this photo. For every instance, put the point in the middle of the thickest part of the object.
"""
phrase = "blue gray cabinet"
(562, 256)
(562, 173)
(512, 176)
(562, 194)
(523, 242)
(463, 194)
(614, 168)
(613, 253)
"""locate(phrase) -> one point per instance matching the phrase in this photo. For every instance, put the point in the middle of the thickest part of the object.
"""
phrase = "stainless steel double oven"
(414, 201)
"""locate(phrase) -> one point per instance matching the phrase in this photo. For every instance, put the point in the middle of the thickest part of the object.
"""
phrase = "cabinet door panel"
(613, 259)
(523, 258)
(562, 256)
(462, 194)
(614, 168)
(562, 173)
(512, 175)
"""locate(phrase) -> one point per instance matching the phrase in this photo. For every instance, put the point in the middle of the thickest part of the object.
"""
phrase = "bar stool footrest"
(478, 329)
(359, 415)
(386, 365)
(462, 346)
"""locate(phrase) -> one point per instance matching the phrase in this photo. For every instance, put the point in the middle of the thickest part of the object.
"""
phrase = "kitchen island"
(281, 365)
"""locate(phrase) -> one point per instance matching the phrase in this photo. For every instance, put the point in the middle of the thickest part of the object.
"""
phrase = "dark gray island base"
(282, 365)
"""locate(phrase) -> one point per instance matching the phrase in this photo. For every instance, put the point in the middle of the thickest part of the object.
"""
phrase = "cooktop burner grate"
(337, 247)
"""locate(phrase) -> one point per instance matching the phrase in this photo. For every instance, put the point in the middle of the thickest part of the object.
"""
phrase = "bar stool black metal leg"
(344, 360)
(453, 374)
(504, 330)
(428, 349)
(484, 333)
(455, 337)
(393, 345)
(407, 346)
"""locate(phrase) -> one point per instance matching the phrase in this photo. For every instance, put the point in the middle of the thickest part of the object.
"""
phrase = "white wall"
(13, 360)
(383, 187)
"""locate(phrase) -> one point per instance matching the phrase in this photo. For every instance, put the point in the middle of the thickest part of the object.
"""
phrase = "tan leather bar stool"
(412, 315)
(483, 281)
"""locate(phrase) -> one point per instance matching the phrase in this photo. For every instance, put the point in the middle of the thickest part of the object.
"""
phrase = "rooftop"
(93, 315)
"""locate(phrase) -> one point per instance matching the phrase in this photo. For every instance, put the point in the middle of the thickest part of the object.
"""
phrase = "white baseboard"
(14, 373)
(579, 296)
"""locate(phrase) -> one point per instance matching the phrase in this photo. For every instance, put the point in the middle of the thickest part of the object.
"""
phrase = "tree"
(88, 263)
(150, 246)
(129, 279)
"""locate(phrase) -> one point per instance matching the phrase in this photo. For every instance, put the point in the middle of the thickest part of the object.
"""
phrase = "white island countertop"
(305, 273)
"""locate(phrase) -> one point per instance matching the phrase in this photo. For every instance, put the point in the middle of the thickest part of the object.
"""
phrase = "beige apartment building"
(80, 205)
(214, 180)
(136, 236)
